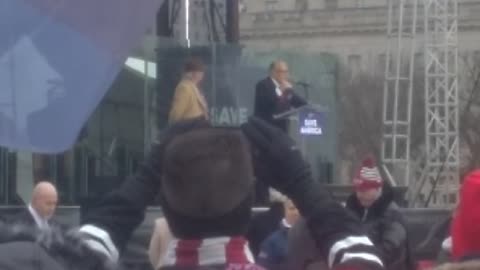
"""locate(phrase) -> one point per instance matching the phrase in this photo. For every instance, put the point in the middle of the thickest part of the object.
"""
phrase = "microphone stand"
(306, 88)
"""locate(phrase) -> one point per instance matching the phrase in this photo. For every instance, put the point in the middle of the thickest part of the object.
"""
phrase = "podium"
(309, 120)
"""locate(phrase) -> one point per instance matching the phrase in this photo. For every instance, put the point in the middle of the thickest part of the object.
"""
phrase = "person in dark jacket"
(274, 250)
(274, 95)
(41, 209)
(265, 223)
(342, 243)
(373, 205)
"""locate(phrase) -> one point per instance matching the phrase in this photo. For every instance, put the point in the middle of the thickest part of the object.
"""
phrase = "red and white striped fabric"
(368, 176)
(233, 253)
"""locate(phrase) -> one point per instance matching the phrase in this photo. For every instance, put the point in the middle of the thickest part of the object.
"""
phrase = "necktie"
(45, 225)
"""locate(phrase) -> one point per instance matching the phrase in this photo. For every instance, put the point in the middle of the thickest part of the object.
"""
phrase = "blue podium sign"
(311, 122)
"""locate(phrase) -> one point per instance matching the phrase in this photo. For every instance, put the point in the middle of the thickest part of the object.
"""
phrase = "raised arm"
(338, 235)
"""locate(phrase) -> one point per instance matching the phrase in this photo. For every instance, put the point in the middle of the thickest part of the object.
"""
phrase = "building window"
(354, 63)
(271, 5)
(331, 4)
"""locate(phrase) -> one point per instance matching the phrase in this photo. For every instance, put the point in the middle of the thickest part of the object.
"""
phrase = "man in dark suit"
(275, 95)
(41, 209)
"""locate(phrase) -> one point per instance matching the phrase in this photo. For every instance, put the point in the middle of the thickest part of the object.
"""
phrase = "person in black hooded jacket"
(373, 204)
(342, 243)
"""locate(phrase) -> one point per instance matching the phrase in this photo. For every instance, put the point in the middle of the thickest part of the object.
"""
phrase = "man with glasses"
(275, 95)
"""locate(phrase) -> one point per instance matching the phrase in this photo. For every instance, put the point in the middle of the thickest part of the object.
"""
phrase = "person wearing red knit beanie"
(372, 203)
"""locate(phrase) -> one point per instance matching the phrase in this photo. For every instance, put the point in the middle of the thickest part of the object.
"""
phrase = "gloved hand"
(278, 152)
(279, 163)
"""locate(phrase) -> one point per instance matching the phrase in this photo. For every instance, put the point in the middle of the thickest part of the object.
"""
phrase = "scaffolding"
(441, 102)
(398, 87)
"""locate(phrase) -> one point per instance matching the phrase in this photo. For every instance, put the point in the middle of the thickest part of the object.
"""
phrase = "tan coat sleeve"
(185, 104)
(161, 237)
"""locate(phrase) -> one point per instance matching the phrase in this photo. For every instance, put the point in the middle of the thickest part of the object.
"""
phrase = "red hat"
(465, 230)
(368, 176)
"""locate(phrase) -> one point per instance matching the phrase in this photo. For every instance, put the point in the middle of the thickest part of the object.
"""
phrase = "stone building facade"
(354, 30)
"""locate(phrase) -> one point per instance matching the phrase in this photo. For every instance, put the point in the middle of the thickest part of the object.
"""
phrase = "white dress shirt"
(286, 224)
(277, 87)
(42, 223)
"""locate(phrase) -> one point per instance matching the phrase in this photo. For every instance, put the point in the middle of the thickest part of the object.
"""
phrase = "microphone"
(306, 87)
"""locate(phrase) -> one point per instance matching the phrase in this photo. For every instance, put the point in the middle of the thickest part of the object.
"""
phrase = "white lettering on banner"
(311, 130)
(311, 123)
(228, 115)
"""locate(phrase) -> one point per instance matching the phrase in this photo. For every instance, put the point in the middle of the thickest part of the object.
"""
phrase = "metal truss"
(441, 98)
(398, 87)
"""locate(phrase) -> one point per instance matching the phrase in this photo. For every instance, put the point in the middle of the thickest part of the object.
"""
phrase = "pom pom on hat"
(368, 176)
(368, 162)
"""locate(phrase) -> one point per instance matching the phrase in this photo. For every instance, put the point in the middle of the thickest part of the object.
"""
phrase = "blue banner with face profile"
(311, 122)
(57, 60)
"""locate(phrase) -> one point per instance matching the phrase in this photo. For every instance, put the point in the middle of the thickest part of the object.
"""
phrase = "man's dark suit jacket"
(23, 217)
(268, 103)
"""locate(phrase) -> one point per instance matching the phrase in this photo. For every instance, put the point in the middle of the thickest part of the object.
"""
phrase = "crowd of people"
(207, 189)
(206, 179)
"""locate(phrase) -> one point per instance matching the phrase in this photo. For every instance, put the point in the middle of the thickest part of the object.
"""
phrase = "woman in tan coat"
(188, 101)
